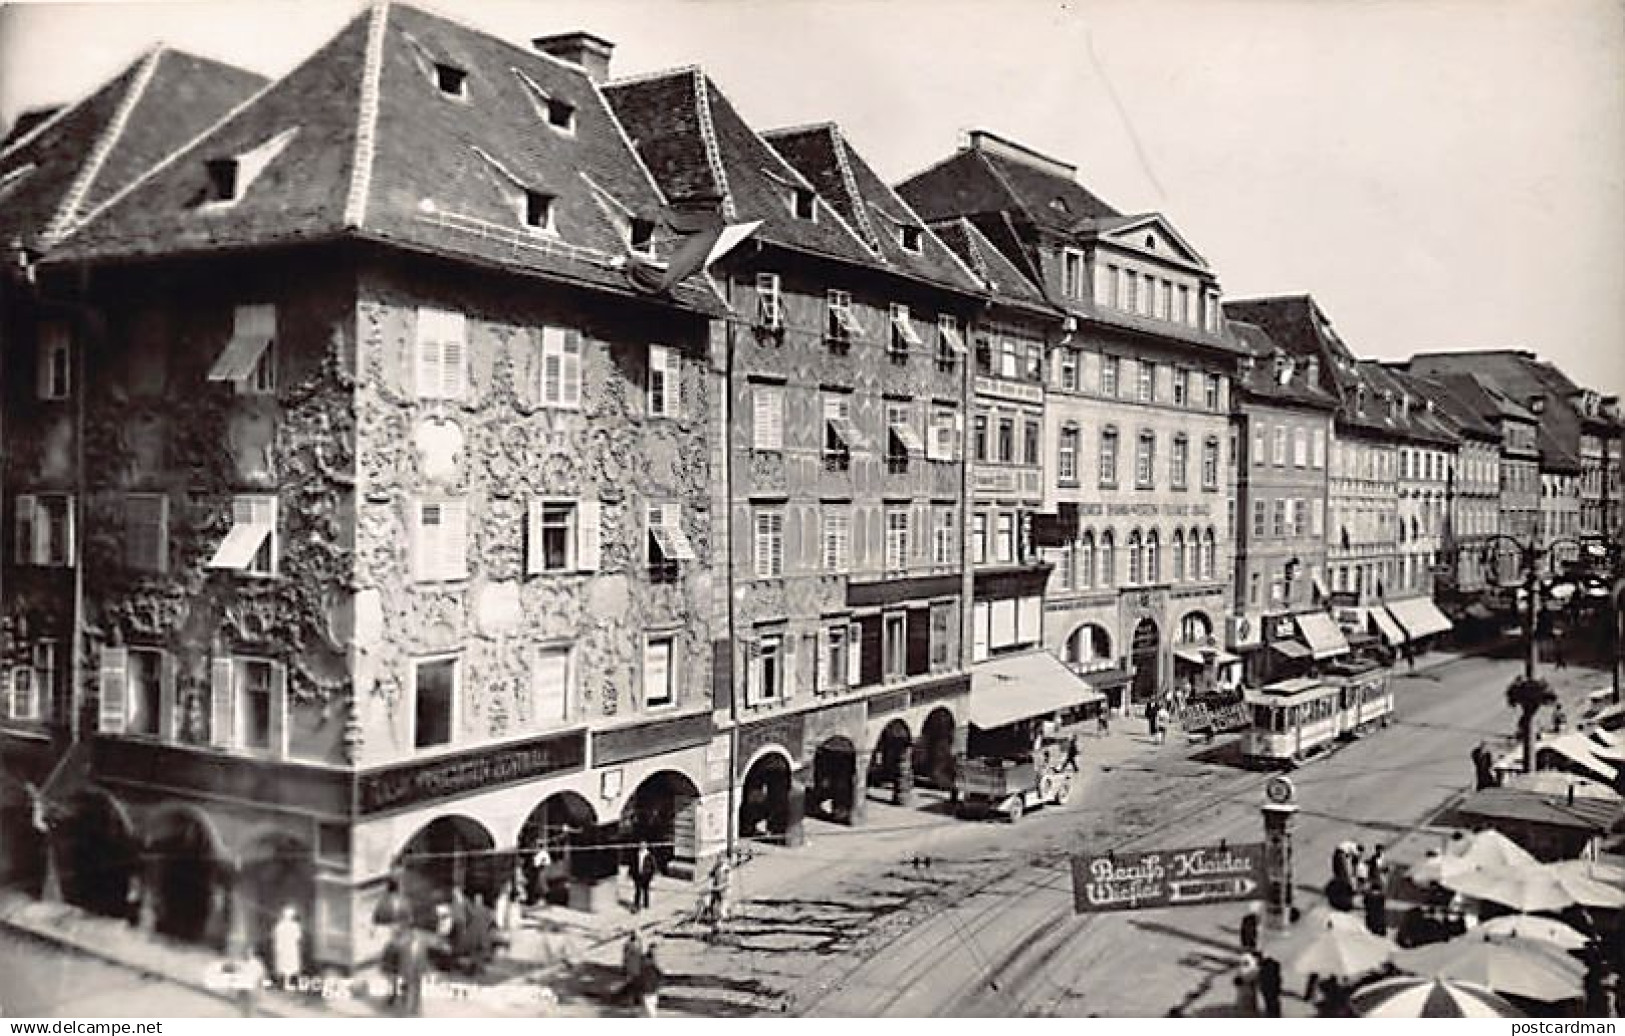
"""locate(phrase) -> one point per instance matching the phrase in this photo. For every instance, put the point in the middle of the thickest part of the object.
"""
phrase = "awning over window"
(1291, 649)
(848, 434)
(673, 542)
(1387, 627)
(952, 338)
(1320, 588)
(908, 437)
(240, 546)
(239, 358)
(1006, 690)
(1419, 617)
(1192, 654)
(1325, 640)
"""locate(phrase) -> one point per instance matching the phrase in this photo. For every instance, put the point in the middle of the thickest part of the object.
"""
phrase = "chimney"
(582, 49)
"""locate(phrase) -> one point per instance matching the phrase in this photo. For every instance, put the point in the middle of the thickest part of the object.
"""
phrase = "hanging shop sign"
(1167, 878)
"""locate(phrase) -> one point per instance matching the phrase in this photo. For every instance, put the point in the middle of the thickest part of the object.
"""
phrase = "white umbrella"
(1596, 870)
(1527, 926)
(1342, 952)
(1586, 891)
(1524, 889)
(1487, 848)
(1524, 967)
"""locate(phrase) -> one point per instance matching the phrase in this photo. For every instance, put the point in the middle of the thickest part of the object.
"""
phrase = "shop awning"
(1291, 649)
(1325, 640)
(1193, 654)
(1419, 617)
(1101, 679)
(1387, 627)
(1320, 589)
(1479, 612)
(1006, 690)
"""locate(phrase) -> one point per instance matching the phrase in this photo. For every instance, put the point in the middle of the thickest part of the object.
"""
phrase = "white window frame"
(1066, 463)
(537, 525)
(254, 523)
(667, 699)
(453, 707)
(275, 726)
(897, 539)
(566, 712)
(1145, 460)
(34, 543)
(1072, 268)
(942, 445)
(55, 343)
(768, 542)
(767, 417)
(950, 341)
(440, 354)
(1210, 463)
(769, 302)
(759, 689)
(665, 388)
(944, 537)
(446, 560)
(666, 535)
(159, 533)
(561, 373)
(904, 335)
(841, 323)
(1179, 462)
(835, 537)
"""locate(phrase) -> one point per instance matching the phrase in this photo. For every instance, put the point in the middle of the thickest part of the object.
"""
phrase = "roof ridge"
(366, 127)
(649, 77)
(924, 226)
(65, 110)
(1004, 182)
(843, 166)
(79, 189)
(805, 127)
(171, 158)
(708, 139)
(626, 138)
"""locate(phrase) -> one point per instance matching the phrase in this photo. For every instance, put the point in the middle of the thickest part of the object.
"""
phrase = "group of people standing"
(1358, 879)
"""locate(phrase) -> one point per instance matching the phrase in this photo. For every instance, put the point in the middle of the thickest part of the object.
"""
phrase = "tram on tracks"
(1294, 719)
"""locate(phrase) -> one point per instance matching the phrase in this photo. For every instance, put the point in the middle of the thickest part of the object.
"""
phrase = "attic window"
(1151, 242)
(222, 179)
(561, 115)
(802, 205)
(910, 237)
(643, 235)
(452, 81)
(1059, 205)
(538, 210)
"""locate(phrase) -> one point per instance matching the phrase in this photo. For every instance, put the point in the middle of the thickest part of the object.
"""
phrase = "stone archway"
(556, 843)
(834, 793)
(1145, 651)
(764, 799)
(99, 856)
(934, 755)
(663, 813)
(892, 764)
(449, 852)
(278, 871)
(188, 879)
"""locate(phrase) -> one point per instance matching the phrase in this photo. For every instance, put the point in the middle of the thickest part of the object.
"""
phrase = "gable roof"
(367, 145)
(1522, 376)
(1001, 277)
(59, 164)
(1258, 379)
(990, 174)
(702, 152)
(841, 175)
(1413, 419)
(1457, 411)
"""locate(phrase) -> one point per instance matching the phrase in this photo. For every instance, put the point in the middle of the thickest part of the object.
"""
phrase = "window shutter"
(277, 728)
(552, 365)
(979, 630)
(533, 538)
(452, 561)
(788, 654)
(854, 655)
(27, 515)
(419, 542)
(427, 355)
(69, 554)
(589, 535)
(821, 663)
(113, 685)
(674, 383)
(222, 705)
(166, 696)
(767, 414)
(570, 389)
(454, 356)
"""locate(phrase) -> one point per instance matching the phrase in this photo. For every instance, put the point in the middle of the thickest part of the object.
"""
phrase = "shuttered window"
(146, 532)
(896, 539)
(561, 368)
(767, 417)
(550, 686)
(837, 538)
(44, 530)
(658, 673)
(440, 541)
(769, 547)
(441, 354)
(665, 382)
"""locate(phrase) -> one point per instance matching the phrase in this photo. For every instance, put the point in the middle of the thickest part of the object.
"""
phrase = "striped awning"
(1387, 627)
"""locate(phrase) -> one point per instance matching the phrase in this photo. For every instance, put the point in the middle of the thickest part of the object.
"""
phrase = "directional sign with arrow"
(1167, 877)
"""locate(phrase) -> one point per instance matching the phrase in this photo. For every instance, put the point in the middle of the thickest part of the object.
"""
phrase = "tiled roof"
(695, 142)
(1462, 416)
(372, 147)
(1520, 375)
(976, 181)
(70, 160)
(26, 121)
(1001, 276)
(841, 176)
(1259, 379)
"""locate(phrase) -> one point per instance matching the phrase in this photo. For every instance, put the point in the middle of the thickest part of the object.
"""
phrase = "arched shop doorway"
(448, 853)
(1195, 628)
(934, 755)
(188, 879)
(891, 765)
(22, 846)
(764, 801)
(662, 812)
(1144, 653)
(557, 842)
(834, 791)
(99, 856)
(278, 871)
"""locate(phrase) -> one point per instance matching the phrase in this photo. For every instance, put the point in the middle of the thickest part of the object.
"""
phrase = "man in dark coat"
(1249, 930)
(643, 876)
(1269, 986)
(1376, 909)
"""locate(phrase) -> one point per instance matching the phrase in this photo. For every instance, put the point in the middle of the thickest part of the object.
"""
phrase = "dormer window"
(910, 238)
(538, 210)
(642, 235)
(561, 115)
(1151, 242)
(451, 80)
(802, 204)
(1060, 205)
(222, 179)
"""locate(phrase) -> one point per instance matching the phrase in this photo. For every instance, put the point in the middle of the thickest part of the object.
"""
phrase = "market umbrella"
(1523, 967)
(1558, 783)
(1587, 891)
(1487, 848)
(1412, 997)
(1596, 870)
(1338, 951)
(1527, 890)
(1527, 926)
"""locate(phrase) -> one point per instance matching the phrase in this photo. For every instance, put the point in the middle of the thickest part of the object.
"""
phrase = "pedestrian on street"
(1071, 755)
(287, 938)
(1103, 721)
(632, 958)
(1269, 985)
(719, 891)
(412, 953)
(643, 876)
(248, 979)
(650, 979)
(1247, 985)
(1378, 868)
(1151, 718)
(1376, 909)
(1559, 720)
(1410, 655)
(1249, 929)
(1162, 724)
(1557, 649)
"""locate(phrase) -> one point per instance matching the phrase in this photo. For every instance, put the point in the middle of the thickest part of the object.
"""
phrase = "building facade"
(1474, 501)
(1136, 413)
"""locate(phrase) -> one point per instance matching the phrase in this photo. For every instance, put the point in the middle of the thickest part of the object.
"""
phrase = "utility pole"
(1531, 586)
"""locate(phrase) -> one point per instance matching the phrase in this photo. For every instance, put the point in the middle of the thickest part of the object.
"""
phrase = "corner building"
(1135, 415)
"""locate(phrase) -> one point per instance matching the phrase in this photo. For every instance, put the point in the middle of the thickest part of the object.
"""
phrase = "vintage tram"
(1294, 719)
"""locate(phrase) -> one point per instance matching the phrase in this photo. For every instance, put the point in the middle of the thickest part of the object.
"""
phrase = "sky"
(1439, 174)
